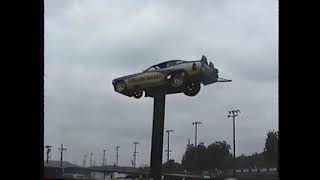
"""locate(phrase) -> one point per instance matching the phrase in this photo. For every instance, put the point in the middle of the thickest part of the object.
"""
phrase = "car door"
(147, 79)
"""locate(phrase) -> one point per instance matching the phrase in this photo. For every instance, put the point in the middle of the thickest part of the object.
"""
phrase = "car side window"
(153, 68)
(172, 63)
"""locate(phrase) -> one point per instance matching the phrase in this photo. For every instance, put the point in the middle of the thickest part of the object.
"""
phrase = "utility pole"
(61, 151)
(104, 158)
(135, 153)
(196, 131)
(48, 152)
(168, 150)
(117, 156)
(84, 160)
(234, 114)
(91, 159)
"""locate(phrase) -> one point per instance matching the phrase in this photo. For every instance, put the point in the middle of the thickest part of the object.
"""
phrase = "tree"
(271, 151)
(219, 155)
(216, 156)
(172, 167)
(195, 158)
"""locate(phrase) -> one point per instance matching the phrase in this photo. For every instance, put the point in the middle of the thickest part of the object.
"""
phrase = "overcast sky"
(88, 43)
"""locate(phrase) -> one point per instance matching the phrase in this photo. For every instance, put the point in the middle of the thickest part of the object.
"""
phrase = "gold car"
(170, 77)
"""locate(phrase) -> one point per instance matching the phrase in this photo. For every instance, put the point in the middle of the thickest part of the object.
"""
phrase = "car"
(173, 76)
(263, 170)
(273, 169)
(245, 170)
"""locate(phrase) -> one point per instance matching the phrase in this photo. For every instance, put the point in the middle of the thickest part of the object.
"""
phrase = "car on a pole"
(174, 76)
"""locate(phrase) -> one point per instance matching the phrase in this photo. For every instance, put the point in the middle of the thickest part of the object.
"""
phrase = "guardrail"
(257, 170)
(246, 172)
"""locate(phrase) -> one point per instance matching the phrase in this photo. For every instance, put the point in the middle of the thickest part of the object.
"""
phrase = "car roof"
(171, 61)
(159, 64)
(162, 64)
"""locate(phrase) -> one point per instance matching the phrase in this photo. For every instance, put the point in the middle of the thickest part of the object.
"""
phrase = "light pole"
(168, 150)
(234, 114)
(196, 131)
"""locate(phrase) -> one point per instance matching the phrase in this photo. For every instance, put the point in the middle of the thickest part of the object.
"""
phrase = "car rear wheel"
(192, 89)
(120, 86)
(177, 79)
(138, 94)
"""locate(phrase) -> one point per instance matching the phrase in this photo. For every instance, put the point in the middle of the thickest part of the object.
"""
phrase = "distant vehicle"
(263, 170)
(175, 75)
(245, 170)
(74, 176)
(273, 169)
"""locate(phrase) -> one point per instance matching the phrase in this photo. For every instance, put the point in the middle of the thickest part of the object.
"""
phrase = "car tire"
(177, 79)
(138, 94)
(192, 89)
(120, 86)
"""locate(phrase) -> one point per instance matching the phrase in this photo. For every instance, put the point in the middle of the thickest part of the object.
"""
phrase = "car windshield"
(164, 65)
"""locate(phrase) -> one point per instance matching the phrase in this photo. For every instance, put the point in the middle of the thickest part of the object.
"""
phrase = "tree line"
(217, 155)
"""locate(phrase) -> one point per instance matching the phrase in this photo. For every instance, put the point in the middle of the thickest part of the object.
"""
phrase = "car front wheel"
(192, 89)
(138, 94)
(177, 80)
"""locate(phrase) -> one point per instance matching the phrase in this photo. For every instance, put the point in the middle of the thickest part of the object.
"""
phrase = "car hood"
(125, 77)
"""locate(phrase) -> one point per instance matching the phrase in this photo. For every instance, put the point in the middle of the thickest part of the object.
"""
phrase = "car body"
(172, 76)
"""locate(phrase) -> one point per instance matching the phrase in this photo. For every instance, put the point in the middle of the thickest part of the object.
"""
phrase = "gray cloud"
(89, 43)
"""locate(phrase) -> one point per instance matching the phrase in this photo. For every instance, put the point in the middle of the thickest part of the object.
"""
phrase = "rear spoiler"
(223, 80)
(204, 60)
